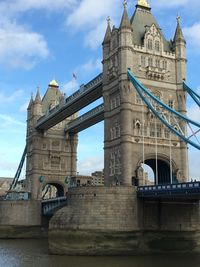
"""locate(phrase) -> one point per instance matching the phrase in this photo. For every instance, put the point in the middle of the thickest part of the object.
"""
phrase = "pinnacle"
(38, 97)
(108, 32)
(125, 22)
(178, 34)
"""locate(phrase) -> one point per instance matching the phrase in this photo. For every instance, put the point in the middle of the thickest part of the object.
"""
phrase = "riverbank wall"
(113, 221)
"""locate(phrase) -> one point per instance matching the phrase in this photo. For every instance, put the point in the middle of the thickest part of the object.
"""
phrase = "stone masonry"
(52, 154)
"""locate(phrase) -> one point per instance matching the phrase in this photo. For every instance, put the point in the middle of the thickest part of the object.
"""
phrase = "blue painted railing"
(169, 190)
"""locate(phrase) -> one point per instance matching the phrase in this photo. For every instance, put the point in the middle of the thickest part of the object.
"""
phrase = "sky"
(41, 40)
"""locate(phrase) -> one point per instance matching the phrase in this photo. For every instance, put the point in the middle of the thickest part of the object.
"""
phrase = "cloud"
(4, 99)
(15, 7)
(192, 34)
(89, 165)
(20, 47)
(7, 120)
(90, 16)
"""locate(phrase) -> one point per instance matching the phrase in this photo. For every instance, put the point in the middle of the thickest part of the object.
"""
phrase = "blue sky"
(45, 39)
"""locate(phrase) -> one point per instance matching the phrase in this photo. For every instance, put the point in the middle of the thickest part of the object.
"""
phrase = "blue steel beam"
(84, 96)
(86, 120)
(142, 90)
(192, 93)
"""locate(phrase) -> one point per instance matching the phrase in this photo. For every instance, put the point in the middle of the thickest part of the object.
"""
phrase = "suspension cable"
(143, 153)
(156, 144)
(170, 151)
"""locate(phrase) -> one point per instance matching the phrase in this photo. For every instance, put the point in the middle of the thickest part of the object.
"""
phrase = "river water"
(34, 253)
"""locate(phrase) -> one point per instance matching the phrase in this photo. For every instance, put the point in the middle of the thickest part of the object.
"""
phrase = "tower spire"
(38, 97)
(125, 22)
(108, 32)
(178, 34)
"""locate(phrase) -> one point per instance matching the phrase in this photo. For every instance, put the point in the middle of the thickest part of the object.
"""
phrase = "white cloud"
(90, 16)
(192, 34)
(4, 99)
(14, 7)
(20, 47)
(89, 165)
(7, 120)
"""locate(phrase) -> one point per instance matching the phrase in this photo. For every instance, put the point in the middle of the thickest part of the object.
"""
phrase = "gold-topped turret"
(53, 83)
(143, 3)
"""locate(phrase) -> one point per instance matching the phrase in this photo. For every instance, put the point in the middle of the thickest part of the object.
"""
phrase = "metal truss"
(175, 121)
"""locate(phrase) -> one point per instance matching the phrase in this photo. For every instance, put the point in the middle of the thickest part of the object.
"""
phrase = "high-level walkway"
(84, 96)
(86, 120)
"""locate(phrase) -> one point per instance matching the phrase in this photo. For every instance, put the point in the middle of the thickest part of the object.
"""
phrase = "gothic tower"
(52, 154)
(132, 134)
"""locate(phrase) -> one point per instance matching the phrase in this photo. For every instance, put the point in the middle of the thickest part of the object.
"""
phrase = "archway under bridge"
(53, 190)
(159, 170)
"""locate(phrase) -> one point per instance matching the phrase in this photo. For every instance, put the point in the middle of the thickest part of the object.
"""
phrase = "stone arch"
(163, 163)
(60, 188)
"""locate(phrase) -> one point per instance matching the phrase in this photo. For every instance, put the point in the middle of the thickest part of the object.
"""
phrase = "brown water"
(34, 253)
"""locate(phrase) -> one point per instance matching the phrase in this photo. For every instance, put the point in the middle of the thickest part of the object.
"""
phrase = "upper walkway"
(84, 96)
(189, 190)
(86, 120)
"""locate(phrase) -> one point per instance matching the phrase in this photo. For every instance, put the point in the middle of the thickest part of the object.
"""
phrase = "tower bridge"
(145, 122)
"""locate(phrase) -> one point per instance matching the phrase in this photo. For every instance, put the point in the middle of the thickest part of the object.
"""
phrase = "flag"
(74, 76)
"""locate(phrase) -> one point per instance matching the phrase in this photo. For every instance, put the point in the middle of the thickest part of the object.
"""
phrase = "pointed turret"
(38, 97)
(30, 102)
(108, 32)
(179, 34)
(180, 52)
(125, 22)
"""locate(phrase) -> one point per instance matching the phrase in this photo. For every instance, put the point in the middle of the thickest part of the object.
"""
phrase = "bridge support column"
(126, 137)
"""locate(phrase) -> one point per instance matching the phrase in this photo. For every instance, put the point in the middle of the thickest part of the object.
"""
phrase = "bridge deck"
(181, 190)
(86, 120)
(84, 96)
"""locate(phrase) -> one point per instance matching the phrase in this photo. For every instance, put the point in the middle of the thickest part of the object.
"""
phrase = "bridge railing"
(81, 119)
(84, 88)
(49, 205)
(171, 189)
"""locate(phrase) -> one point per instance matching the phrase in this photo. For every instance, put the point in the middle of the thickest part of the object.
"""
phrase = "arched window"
(150, 44)
(143, 63)
(165, 65)
(157, 46)
(157, 63)
(150, 61)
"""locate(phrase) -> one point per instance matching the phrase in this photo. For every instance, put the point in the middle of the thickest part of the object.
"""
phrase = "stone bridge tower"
(51, 154)
(132, 134)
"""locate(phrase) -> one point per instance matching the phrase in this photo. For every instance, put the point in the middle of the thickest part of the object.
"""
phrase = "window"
(143, 63)
(159, 130)
(157, 63)
(150, 44)
(152, 129)
(157, 46)
(165, 65)
(166, 133)
(171, 103)
(150, 61)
